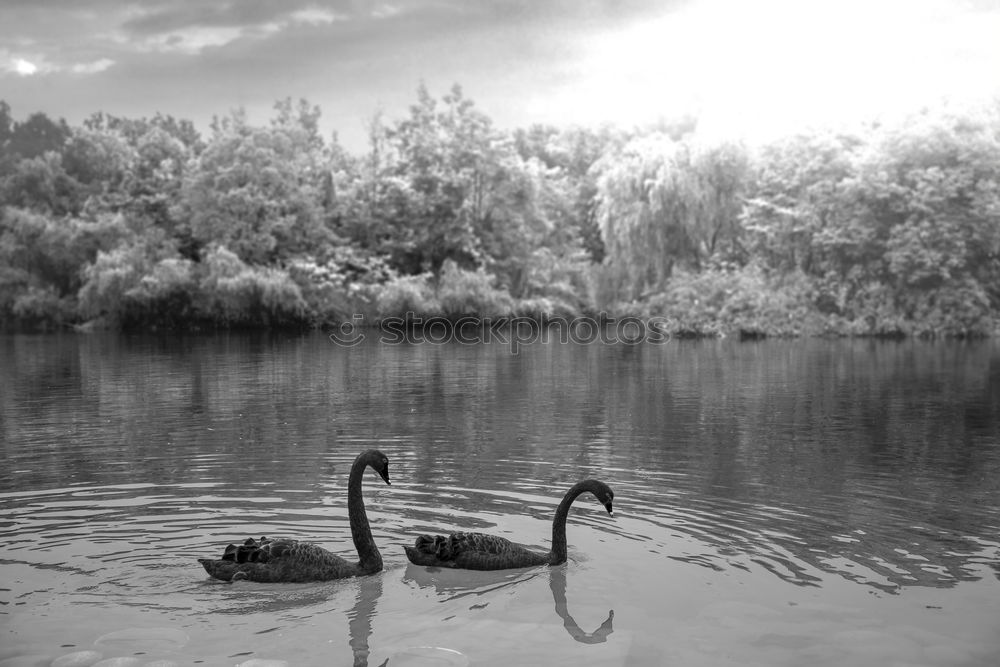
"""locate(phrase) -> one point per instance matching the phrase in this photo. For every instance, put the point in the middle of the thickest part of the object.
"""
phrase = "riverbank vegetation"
(889, 229)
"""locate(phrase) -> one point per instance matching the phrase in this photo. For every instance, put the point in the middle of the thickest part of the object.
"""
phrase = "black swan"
(284, 560)
(477, 551)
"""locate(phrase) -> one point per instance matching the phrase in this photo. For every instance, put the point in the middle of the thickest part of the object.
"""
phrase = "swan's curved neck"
(558, 553)
(361, 532)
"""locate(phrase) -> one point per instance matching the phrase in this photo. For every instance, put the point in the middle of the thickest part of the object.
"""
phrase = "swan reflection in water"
(557, 583)
(263, 599)
(359, 618)
(460, 583)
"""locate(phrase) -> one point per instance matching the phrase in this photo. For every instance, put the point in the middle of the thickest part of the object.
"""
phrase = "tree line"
(887, 229)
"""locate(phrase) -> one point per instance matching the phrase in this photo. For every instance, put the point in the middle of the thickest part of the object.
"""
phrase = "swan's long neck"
(558, 553)
(371, 559)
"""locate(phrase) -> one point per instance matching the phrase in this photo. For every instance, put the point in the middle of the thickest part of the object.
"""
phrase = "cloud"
(157, 18)
(316, 16)
(190, 28)
(92, 67)
(192, 40)
(385, 11)
(24, 67)
(309, 16)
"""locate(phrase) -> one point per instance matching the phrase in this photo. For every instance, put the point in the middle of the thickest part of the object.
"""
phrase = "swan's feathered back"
(278, 560)
(472, 551)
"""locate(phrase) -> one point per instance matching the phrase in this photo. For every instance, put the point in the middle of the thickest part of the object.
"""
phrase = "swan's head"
(605, 495)
(380, 462)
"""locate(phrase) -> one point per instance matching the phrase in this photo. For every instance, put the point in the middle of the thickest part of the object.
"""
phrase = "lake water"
(777, 503)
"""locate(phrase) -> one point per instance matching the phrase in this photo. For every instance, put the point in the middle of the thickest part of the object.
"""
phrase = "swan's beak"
(385, 476)
(607, 506)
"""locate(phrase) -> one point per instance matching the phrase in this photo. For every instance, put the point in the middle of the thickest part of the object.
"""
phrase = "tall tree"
(572, 155)
(438, 181)
(258, 191)
(6, 126)
(38, 135)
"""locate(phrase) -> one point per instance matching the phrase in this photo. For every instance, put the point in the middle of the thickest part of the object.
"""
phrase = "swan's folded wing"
(278, 560)
(482, 543)
(472, 551)
(305, 553)
(450, 547)
(489, 552)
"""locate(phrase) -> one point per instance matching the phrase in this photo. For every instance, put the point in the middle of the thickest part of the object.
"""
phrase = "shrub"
(43, 307)
(240, 295)
(164, 297)
(407, 297)
(346, 284)
(471, 293)
(52, 251)
(743, 300)
(556, 284)
(13, 283)
(960, 309)
(540, 307)
(109, 278)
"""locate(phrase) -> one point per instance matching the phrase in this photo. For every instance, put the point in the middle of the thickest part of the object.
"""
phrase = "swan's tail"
(251, 551)
(430, 550)
(230, 565)
(427, 544)
(440, 546)
(219, 569)
(228, 570)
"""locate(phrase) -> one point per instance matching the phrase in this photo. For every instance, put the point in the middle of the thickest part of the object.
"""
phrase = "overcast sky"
(749, 67)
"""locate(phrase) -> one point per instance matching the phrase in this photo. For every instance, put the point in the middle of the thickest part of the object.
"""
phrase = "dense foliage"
(144, 223)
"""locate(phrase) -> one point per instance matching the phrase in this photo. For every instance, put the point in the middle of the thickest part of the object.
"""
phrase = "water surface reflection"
(360, 618)
(557, 583)
(795, 468)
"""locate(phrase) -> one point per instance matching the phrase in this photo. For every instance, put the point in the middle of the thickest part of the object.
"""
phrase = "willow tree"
(665, 203)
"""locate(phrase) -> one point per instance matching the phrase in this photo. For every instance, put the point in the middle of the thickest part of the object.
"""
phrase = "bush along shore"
(878, 230)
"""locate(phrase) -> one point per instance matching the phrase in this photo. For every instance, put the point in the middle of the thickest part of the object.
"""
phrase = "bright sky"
(752, 68)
